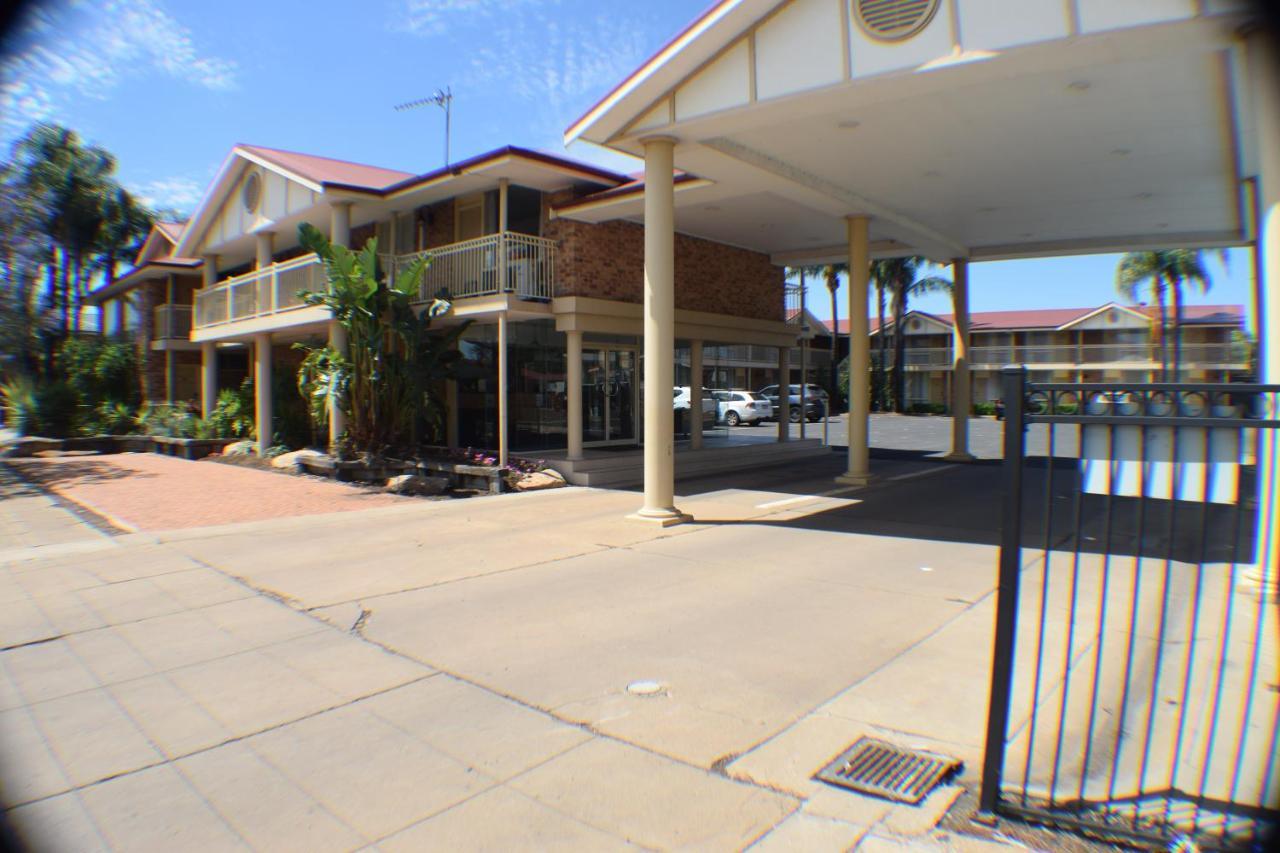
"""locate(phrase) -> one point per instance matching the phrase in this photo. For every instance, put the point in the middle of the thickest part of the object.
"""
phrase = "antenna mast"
(442, 98)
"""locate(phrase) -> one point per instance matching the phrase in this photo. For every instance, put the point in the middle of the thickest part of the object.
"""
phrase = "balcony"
(171, 323)
(264, 292)
(1088, 355)
(495, 264)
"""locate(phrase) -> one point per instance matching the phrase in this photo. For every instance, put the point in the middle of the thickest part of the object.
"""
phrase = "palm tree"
(1164, 272)
(903, 279)
(881, 384)
(829, 273)
(125, 226)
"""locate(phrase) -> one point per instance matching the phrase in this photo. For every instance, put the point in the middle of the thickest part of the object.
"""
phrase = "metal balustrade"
(171, 322)
(271, 290)
(1144, 355)
(506, 262)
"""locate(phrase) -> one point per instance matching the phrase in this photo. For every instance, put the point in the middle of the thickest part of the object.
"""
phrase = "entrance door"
(610, 396)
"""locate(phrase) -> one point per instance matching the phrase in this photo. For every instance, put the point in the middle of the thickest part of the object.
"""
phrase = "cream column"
(339, 235)
(262, 390)
(265, 248)
(695, 395)
(961, 381)
(784, 394)
(502, 388)
(659, 333)
(208, 349)
(858, 473)
(573, 392)
(1263, 64)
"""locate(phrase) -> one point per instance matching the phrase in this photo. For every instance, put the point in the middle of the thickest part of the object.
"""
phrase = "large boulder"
(294, 458)
(537, 481)
(416, 484)
(240, 448)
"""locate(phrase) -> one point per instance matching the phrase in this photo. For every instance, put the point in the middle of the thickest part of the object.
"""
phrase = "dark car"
(815, 407)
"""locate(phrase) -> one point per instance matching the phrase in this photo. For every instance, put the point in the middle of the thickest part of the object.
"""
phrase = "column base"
(850, 479)
(964, 456)
(661, 517)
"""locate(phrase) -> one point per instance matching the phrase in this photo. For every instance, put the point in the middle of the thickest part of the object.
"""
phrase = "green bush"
(18, 404)
(232, 415)
(56, 406)
(109, 419)
(170, 421)
(984, 408)
(99, 370)
(927, 409)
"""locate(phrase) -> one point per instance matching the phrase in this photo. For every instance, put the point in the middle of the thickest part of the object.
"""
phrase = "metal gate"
(1134, 687)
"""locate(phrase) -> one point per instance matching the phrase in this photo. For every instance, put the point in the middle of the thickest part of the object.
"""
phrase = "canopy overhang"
(1055, 128)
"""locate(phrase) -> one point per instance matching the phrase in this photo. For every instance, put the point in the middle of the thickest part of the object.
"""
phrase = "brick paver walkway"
(144, 491)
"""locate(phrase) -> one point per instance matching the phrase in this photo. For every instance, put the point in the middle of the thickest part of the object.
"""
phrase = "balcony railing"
(171, 322)
(505, 262)
(270, 290)
(1146, 355)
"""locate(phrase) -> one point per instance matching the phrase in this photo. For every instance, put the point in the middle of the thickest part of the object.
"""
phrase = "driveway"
(455, 674)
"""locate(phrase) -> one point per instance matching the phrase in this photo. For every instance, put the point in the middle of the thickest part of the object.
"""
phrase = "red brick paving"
(146, 491)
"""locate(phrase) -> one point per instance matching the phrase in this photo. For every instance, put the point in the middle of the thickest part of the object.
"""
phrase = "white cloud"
(434, 17)
(177, 193)
(85, 49)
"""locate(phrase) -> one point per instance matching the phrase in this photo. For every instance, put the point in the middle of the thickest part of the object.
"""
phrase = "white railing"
(171, 322)
(791, 303)
(1146, 355)
(270, 290)
(506, 262)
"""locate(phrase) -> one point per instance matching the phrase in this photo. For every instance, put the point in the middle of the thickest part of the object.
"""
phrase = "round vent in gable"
(894, 20)
(251, 192)
(914, 325)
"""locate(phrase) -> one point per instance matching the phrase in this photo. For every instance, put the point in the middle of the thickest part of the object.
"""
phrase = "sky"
(169, 86)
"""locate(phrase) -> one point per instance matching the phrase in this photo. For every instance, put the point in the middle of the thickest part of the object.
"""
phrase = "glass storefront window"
(536, 387)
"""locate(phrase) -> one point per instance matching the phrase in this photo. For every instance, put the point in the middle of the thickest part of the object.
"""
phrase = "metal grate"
(894, 19)
(876, 767)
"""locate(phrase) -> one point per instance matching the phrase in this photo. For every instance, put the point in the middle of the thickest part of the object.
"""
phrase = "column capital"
(658, 139)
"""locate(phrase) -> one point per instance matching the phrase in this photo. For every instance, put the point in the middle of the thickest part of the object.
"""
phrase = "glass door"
(610, 396)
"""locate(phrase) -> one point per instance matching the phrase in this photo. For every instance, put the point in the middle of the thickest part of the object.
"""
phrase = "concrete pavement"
(455, 675)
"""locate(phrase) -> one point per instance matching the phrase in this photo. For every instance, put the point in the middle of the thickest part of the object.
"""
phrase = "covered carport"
(822, 130)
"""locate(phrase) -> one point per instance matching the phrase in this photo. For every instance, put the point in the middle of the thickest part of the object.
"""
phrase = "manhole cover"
(875, 767)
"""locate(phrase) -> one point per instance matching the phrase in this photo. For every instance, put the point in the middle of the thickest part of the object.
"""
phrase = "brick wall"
(146, 297)
(607, 261)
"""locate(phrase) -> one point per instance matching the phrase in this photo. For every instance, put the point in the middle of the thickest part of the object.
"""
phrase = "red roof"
(326, 170)
(1053, 318)
(171, 230)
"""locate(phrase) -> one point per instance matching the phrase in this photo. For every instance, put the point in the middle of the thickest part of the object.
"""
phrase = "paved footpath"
(452, 676)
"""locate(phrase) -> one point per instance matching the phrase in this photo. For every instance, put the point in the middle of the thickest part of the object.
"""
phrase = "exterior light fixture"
(1079, 86)
(849, 124)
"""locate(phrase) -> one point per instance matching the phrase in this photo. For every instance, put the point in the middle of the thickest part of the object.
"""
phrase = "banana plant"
(394, 362)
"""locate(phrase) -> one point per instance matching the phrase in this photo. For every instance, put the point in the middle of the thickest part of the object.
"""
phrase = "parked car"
(684, 400)
(815, 405)
(742, 407)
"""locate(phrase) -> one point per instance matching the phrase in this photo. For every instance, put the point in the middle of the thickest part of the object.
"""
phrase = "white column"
(1263, 63)
(502, 388)
(265, 248)
(858, 473)
(340, 223)
(262, 389)
(339, 235)
(961, 386)
(784, 394)
(573, 392)
(659, 334)
(209, 271)
(695, 394)
(503, 186)
(208, 377)
(804, 361)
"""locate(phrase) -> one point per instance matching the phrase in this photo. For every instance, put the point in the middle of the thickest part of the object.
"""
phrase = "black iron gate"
(1134, 693)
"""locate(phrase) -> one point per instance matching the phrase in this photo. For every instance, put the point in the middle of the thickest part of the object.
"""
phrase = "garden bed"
(185, 448)
(462, 477)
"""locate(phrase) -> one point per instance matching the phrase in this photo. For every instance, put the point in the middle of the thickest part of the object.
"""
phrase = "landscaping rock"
(240, 448)
(537, 481)
(294, 458)
(30, 445)
(416, 484)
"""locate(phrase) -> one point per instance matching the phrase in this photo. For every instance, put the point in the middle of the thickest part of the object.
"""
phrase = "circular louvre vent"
(914, 325)
(893, 20)
(251, 193)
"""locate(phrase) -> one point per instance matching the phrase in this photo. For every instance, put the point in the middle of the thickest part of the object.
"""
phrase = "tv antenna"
(442, 98)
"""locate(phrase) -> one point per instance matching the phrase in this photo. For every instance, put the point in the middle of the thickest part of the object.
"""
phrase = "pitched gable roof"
(1054, 318)
(327, 170)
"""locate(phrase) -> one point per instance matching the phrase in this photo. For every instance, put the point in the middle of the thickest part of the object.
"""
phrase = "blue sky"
(170, 85)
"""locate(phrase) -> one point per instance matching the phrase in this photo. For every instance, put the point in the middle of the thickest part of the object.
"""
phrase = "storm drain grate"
(874, 767)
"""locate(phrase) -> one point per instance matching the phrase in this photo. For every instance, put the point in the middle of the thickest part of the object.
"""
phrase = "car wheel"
(794, 416)
(731, 419)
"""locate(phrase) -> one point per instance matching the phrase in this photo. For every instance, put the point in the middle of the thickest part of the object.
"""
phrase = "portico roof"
(1002, 129)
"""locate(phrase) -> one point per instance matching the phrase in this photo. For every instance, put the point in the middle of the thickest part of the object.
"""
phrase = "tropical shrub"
(56, 406)
(232, 415)
(99, 369)
(394, 363)
(984, 408)
(18, 404)
(170, 421)
(109, 418)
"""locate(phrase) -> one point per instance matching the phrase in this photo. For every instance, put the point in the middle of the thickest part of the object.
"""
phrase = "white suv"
(684, 399)
(742, 407)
